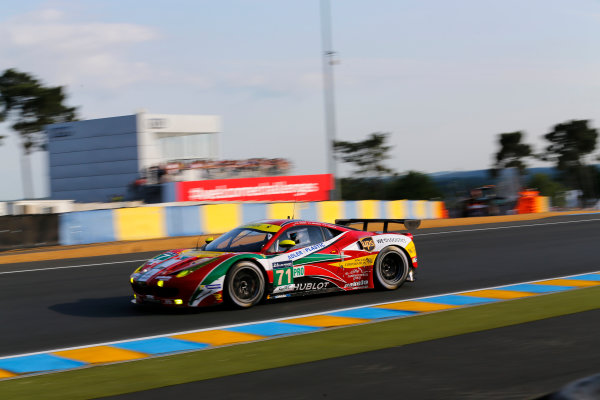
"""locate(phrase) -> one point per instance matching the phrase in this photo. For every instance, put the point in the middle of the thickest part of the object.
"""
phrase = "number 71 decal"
(285, 276)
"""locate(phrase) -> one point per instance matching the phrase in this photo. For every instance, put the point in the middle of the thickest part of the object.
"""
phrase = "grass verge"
(171, 370)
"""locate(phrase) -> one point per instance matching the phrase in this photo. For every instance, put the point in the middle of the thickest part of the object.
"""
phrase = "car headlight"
(141, 268)
(183, 273)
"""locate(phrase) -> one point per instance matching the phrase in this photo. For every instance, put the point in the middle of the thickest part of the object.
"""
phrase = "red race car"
(279, 258)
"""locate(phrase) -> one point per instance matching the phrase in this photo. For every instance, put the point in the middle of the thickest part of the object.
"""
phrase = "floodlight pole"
(328, 94)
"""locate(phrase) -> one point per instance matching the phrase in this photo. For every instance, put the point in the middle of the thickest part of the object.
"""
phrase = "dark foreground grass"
(115, 379)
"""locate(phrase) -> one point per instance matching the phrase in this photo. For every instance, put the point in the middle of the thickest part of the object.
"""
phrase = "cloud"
(74, 53)
(105, 58)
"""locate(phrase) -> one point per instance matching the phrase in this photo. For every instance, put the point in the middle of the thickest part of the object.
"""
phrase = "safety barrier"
(153, 222)
(21, 231)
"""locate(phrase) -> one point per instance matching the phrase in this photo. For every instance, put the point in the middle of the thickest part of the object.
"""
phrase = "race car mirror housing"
(412, 224)
(209, 239)
(286, 244)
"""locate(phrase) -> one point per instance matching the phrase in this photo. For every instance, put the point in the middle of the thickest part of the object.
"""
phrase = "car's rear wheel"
(244, 285)
(391, 268)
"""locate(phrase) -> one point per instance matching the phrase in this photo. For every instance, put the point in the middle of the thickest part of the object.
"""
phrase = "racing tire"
(244, 285)
(391, 268)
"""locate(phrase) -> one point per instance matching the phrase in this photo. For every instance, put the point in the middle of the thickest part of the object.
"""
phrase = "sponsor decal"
(298, 271)
(311, 286)
(283, 288)
(285, 276)
(359, 262)
(282, 264)
(411, 249)
(367, 243)
(278, 296)
(403, 240)
(357, 284)
(203, 291)
(264, 227)
(357, 274)
(214, 286)
(279, 188)
(160, 258)
(305, 251)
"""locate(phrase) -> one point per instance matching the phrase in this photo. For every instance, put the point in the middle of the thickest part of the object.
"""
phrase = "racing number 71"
(283, 276)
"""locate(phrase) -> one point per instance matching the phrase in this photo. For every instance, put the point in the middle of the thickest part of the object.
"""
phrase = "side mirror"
(209, 239)
(412, 224)
(286, 244)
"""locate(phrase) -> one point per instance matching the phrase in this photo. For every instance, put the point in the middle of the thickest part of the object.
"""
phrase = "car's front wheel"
(244, 285)
(391, 268)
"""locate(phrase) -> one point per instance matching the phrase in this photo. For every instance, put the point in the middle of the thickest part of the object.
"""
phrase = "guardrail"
(152, 222)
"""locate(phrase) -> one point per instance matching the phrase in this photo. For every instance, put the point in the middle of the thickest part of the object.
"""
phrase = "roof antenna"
(198, 243)
(294, 208)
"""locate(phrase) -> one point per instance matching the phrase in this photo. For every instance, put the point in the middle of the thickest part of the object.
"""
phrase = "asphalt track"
(64, 303)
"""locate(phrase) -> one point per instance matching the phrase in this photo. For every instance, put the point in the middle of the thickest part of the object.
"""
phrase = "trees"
(30, 106)
(548, 187)
(413, 186)
(512, 152)
(367, 155)
(570, 143)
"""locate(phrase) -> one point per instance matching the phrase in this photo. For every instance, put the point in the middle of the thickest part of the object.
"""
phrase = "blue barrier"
(83, 227)
(97, 226)
(253, 212)
(183, 221)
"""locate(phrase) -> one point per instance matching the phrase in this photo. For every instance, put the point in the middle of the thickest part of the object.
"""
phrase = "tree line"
(569, 148)
(372, 179)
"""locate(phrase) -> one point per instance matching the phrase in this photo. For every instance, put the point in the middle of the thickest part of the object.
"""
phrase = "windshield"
(240, 240)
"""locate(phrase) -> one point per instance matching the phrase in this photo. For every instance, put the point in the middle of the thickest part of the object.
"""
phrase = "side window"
(303, 235)
(330, 233)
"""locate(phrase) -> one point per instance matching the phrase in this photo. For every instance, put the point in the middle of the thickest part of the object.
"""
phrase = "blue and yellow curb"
(137, 349)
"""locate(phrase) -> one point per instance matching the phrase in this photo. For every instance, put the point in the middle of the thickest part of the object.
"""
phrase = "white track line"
(70, 266)
(317, 313)
(505, 227)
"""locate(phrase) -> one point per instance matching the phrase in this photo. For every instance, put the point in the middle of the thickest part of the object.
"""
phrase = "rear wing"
(410, 224)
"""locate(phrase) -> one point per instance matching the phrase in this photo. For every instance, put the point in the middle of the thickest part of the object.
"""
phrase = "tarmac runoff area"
(100, 249)
(59, 360)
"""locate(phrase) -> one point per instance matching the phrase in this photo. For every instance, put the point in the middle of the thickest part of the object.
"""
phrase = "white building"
(96, 160)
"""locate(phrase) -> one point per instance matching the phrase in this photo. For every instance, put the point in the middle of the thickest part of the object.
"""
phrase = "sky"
(444, 78)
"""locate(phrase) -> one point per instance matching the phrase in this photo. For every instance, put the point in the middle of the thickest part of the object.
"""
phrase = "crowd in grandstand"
(195, 170)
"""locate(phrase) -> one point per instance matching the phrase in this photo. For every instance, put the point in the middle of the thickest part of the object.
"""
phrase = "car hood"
(176, 261)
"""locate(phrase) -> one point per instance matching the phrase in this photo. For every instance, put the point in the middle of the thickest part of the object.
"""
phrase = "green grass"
(157, 372)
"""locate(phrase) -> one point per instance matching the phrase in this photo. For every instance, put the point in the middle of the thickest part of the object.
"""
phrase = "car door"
(310, 266)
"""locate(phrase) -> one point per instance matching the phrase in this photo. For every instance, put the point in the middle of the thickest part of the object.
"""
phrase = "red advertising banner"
(272, 188)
